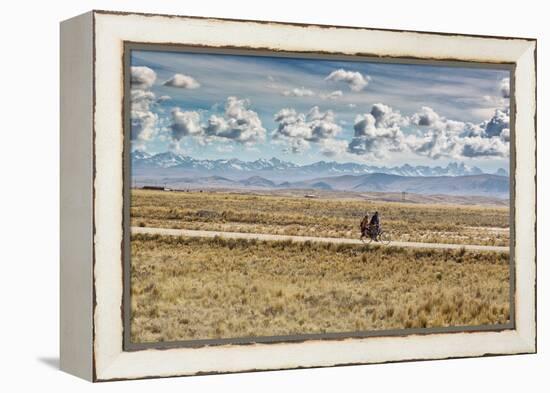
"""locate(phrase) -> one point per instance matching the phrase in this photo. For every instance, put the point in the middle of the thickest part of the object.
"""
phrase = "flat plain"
(193, 288)
(323, 217)
(185, 288)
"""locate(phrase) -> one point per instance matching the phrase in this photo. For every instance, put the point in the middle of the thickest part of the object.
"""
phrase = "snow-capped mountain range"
(143, 161)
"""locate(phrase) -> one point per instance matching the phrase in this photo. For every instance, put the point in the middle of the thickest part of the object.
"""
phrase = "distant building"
(158, 188)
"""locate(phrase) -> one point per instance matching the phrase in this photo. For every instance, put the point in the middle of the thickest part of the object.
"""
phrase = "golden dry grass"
(319, 217)
(192, 288)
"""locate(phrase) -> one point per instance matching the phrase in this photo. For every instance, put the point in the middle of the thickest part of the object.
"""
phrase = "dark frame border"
(231, 50)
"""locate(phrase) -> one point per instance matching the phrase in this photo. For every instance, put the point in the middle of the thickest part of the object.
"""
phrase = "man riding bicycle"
(374, 226)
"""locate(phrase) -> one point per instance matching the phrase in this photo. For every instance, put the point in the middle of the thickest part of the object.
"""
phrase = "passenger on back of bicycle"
(364, 225)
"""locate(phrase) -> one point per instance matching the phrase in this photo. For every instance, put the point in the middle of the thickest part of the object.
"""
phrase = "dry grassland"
(319, 217)
(192, 288)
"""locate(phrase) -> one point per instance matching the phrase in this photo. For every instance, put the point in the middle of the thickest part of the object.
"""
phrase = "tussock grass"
(193, 288)
(318, 217)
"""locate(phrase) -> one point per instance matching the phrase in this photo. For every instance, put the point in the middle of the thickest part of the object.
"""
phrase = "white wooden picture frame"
(92, 195)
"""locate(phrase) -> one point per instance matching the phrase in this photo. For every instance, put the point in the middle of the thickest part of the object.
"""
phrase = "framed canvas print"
(246, 195)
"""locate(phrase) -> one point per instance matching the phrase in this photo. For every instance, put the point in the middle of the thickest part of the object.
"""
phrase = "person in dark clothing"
(375, 220)
(374, 226)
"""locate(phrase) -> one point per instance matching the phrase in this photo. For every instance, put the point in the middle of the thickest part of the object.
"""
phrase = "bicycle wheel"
(384, 238)
(366, 239)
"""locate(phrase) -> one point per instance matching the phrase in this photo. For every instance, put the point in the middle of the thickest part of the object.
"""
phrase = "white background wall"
(29, 195)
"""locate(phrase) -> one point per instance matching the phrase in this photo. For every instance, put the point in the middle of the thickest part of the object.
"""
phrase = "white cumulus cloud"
(484, 147)
(333, 147)
(238, 123)
(499, 122)
(299, 129)
(333, 95)
(426, 117)
(378, 132)
(182, 81)
(143, 125)
(298, 92)
(143, 121)
(142, 77)
(141, 100)
(355, 80)
(449, 138)
(185, 123)
(505, 87)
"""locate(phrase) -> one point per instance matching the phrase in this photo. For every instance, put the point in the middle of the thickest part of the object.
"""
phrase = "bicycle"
(381, 236)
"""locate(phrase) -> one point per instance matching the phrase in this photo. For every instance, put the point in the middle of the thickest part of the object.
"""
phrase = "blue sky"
(306, 110)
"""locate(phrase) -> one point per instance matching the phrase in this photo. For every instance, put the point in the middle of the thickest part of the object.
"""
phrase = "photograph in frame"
(286, 198)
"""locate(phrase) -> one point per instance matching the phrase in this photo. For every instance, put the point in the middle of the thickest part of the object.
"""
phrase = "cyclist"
(374, 226)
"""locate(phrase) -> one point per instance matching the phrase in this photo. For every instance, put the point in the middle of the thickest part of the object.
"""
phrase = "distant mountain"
(479, 185)
(161, 160)
(320, 185)
(257, 181)
(283, 170)
(180, 171)
(483, 185)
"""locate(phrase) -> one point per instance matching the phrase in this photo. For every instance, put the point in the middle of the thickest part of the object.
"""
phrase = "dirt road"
(263, 236)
